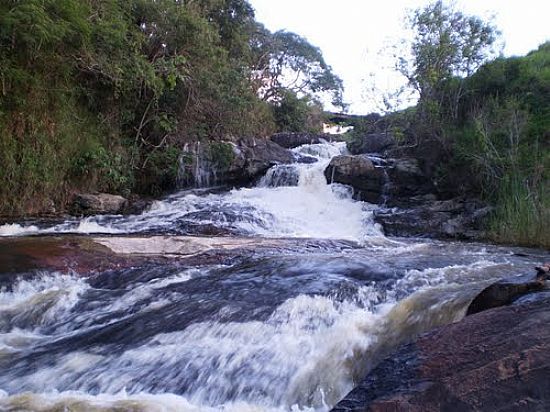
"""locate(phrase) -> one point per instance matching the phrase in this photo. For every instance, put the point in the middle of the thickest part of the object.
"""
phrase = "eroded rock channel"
(278, 297)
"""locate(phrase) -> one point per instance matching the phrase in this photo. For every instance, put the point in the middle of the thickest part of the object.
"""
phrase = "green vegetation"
(295, 114)
(103, 94)
(506, 115)
(484, 126)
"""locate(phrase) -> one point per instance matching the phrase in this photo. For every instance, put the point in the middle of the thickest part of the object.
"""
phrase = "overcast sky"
(351, 32)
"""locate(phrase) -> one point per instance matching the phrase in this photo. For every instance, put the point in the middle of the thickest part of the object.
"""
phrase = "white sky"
(351, 32)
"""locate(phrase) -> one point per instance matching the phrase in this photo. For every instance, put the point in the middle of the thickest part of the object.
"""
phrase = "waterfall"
(194, 167)
(309, 299)
(289, 201)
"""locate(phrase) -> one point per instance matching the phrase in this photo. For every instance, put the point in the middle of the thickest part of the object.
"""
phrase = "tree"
(294, 114)
(288, 62)
(448, 45)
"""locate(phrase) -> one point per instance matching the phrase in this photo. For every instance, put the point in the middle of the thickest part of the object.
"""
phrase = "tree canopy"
(103, 94)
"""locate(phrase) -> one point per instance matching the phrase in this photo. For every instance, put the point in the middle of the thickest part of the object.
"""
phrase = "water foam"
(308, 208)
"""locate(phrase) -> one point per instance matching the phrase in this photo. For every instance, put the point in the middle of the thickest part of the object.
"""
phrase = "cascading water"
(290, 328)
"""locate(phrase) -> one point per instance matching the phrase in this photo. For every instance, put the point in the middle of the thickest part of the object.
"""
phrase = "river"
(290, 327)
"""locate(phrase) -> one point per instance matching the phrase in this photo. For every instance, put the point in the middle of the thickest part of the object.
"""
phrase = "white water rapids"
(310, 208)
(286, 330)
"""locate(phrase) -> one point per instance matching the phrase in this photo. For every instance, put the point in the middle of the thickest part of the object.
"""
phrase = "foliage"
(104, 94)
(503, 139)
(447, 47)
(220, 155)
(289, 63)
(294, 114)
(482, 128)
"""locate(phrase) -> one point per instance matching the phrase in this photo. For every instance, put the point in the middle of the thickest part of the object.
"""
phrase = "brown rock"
(358, 172)
(98, 204)
(504, 292)
(498, 360)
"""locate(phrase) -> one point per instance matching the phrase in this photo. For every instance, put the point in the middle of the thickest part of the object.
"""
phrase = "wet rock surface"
(511, 290)
(258, 155)
(454, 218)
(64, 253)
(88, 204)
(498, 360)
(358, 172)
(379, 180)
(372, 143)
(407, 180)
(239, 162)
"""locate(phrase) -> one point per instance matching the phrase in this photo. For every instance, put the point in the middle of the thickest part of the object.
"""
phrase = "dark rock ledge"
(496, 360)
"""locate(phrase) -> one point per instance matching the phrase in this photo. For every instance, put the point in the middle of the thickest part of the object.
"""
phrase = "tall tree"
(448, 45)
(288, 62)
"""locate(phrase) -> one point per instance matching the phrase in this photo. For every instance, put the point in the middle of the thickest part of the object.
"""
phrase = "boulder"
(407, 180)
(98, 204)
(506, 291)
(261, 154)
(239, 162)
(372, 143)
(360, 173)
(497, 360)
(292, 140)
(454, 218)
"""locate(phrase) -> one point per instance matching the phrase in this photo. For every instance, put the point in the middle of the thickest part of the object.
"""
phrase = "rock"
(136, 205)
(306, 159)
(454, 218)
(498, 360)
(358, 172)
(372, 143)
(292, 140)
(505, 291)
(407, 180)
(67, 253)
(392, 181)
(98, 204)
(543, 271)
(240, 162)
(260, 155)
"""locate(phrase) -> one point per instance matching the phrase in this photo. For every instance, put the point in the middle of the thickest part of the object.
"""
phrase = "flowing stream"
(288, 328)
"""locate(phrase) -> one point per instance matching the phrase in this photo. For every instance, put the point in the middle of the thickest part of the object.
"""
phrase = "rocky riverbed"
(281, 296)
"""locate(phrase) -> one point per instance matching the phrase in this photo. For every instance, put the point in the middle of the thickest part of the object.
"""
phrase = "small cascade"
(281, 175)
(195, 168)
(385, 188)
(290, 201)
(322, 150)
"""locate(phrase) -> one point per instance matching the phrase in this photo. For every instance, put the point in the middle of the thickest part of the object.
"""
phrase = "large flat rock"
(497, 360)
(178, 245)
(84, 254)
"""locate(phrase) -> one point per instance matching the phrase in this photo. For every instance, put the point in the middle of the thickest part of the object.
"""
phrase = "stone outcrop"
(88, 204)
(292, 140)
(497, 360)
(360, 173)
(258, 155)
(454, 218)
(392, 181)
(506, 291)
(239, 162)
(407, 180)
(98, 204)
(372, 143)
